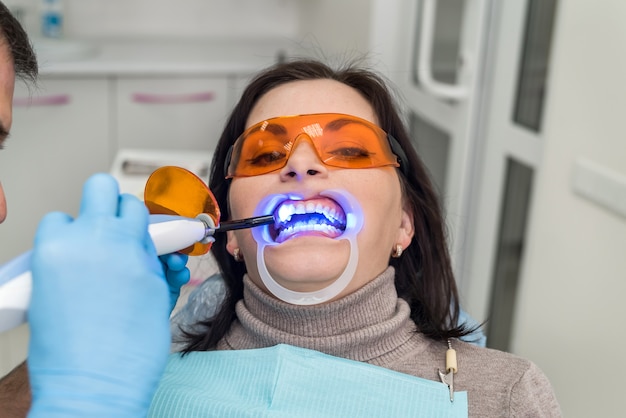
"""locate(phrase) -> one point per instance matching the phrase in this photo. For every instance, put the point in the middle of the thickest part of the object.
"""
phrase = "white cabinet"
(178, 113)
(71, 127)
(60, 136)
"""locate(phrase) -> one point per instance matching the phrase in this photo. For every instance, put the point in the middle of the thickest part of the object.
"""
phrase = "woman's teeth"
(321, 216)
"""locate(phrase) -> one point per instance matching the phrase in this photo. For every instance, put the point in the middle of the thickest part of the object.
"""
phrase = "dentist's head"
(17, 59)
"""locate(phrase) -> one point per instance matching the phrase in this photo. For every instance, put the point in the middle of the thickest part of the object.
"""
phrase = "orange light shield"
(174, 190)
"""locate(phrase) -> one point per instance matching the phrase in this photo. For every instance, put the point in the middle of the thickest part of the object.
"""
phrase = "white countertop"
(157, 57)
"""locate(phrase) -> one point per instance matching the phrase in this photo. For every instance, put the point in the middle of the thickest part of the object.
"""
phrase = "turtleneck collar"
(366, 325)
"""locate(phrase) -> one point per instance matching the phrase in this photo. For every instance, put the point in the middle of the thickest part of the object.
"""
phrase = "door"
(472, 74)
(512, 152)
(436, 58)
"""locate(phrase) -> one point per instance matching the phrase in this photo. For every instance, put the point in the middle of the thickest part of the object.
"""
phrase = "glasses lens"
(175, 191)
(260, 150)
(350, 142)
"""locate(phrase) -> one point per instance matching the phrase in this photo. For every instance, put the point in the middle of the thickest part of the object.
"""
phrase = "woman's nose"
(303, 161)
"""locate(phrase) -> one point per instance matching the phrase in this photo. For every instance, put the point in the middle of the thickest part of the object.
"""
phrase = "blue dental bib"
(287, 381)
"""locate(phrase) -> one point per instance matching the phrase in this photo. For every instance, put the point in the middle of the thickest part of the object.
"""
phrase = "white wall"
(172, 18)
(336, 30)
(324, 28)
(570, 315)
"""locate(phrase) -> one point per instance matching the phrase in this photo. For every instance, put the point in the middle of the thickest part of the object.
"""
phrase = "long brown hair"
(424, 276)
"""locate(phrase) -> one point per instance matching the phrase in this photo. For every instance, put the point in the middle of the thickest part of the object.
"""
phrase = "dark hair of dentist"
(24, 62)
(20, 49)
(424, 275)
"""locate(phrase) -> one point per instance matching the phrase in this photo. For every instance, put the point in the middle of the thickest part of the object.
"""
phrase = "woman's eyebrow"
(340, 123)
(270, 127)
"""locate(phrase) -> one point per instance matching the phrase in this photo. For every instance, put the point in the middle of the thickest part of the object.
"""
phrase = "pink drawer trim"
(148, 98)
(54, 100)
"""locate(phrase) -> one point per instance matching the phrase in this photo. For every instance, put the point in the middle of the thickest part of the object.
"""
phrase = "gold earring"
(237, 255)
(397, 252)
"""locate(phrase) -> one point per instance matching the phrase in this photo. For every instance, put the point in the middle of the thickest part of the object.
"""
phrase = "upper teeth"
(300, 208)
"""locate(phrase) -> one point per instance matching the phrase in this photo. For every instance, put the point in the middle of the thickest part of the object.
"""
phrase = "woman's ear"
(231, 242)
(406, 230)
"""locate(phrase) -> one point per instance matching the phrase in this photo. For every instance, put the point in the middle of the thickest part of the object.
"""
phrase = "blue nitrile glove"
(176, 273)
(99, 314)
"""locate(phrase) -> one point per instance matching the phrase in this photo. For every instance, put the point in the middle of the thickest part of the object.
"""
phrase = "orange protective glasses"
(342, 141)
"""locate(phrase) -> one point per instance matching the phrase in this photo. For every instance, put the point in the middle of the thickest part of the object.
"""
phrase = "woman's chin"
(307, 264)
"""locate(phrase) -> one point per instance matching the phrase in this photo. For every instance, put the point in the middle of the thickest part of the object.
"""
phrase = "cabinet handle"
(148, 98)
(54, 100)
(427, 34)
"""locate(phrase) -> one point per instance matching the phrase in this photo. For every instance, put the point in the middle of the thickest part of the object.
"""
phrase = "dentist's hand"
(176, 273)
(99, 315)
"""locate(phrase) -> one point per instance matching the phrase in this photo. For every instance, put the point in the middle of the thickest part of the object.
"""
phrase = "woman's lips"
(320, 216)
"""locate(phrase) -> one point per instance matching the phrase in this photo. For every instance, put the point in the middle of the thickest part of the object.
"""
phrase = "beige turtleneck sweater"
(373, 325)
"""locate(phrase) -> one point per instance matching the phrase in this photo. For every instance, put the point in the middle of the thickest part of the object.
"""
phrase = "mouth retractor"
(262, 235)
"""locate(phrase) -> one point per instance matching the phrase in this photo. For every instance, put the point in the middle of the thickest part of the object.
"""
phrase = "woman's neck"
(363, 326)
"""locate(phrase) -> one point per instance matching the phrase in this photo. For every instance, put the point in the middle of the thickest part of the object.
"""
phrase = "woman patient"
(355, 277)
